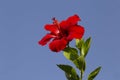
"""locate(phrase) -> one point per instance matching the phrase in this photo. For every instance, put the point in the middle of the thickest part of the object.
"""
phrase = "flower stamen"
(56, 22)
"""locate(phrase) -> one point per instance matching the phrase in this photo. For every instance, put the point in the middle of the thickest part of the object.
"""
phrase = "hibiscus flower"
(62, 33)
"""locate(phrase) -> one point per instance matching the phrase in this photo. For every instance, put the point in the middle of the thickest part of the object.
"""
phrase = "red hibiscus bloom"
(62, 33)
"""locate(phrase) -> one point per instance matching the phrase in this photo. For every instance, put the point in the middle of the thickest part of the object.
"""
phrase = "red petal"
(72, 20)
(76, 32)
(64, 25)
(45, 39)
(58, 45)
(52, 28)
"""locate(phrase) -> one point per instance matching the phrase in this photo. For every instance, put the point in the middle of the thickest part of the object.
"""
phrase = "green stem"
(81, 75)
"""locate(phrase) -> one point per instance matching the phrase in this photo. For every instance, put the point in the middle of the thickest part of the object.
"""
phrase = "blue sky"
(22, 26)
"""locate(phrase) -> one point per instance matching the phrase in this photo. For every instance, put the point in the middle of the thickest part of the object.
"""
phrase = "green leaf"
(79, 43)
(85, 47)
(70, 53)
(69, 72)
(80, 63)
(68, 76)
(94, 73)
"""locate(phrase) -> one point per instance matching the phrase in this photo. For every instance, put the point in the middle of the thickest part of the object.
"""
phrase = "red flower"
(62, 33)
